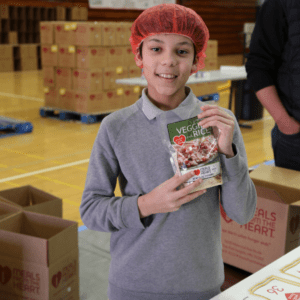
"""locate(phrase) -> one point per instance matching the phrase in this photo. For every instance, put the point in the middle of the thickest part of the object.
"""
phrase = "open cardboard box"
(275, 228)
(38, 258)
(29, 198)
(7, 209)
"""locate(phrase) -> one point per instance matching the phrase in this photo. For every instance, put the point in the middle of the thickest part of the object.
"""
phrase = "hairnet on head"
(171, 19)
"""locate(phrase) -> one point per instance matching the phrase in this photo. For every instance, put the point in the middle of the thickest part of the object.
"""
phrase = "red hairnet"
(172, 19)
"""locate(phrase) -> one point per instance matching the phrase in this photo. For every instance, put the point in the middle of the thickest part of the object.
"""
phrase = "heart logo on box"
(293, 296)
(127, 93)
(294, 223)
(94, 51)
(78, 51)
(62, 50)
(43, 27)
(93, 74)
(106, 29)
(92, 97)
(129, 50)
(58, 28)
(45, 50)
(223, 214)
(110, 94)
(179, 140)
(56, 279)
(92, 28)
(58, 71)
(112, 51)
(76, 73)
(5, 274)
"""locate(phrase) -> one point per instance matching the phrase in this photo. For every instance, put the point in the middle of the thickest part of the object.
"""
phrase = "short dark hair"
(141, 49)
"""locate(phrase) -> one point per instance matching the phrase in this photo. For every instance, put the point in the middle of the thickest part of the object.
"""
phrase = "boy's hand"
(165, 198)
(217, 118)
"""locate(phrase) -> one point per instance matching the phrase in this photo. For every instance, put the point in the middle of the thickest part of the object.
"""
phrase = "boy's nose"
(169, 59)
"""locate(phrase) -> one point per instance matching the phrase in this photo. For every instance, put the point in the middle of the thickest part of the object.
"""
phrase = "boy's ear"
(194, 66)
(138, 60)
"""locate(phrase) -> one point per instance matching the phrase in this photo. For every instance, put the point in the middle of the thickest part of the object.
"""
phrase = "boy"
(165, 242)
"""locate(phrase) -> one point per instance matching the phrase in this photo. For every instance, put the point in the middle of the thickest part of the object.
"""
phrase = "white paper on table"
(230, 69)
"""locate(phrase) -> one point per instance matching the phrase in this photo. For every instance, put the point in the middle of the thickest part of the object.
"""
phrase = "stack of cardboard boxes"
(20, 28)
(211, 63)
(38, 249)
(82, 60)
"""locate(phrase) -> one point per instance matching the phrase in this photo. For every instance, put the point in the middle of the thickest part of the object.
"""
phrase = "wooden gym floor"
(54, 157)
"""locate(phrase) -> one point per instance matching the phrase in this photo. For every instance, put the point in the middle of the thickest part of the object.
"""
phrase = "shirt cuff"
(130, 213)
(233, 165)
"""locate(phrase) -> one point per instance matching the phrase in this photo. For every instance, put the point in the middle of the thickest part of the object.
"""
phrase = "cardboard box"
(212, 50)
(88, 34)
(64, 33)
(83, 13)
(201, 89)
(121, 34)
(28, 51)
(127, 32)
(6, 52)
(275, 228)
(6, 210)
(75, 13)
(29, 64)
(63, 78)
(108, 33)
(13, 37)
(60, 13)
(38, 258)
(67, 56)
(49, 77)
(29, 198)
(210, 65)
(91, 57)
(113, 99)
(129, 57)
(89, 102)
(47, 32)
(109, 78)
(115, 56)
(87, 80)
(4, 11)
(51, 96)
(134, 71)
(49, 55)
(131, 95)
(66, 99)
(6, 65)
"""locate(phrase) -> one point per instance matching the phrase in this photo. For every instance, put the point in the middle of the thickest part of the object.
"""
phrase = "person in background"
(165, 241)
(273, 69)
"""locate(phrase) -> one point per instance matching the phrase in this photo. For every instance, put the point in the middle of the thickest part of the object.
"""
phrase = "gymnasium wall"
(225, 19)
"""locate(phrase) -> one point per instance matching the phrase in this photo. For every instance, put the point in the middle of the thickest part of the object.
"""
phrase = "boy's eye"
(155, 49)
(182, 52)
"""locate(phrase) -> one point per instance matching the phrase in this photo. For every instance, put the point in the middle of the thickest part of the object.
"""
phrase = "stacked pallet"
(20, 33)
(82, 60)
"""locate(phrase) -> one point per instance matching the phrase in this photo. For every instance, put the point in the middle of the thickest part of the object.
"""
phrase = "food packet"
(193, 148)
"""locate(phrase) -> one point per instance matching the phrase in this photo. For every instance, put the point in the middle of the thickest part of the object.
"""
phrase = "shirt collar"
(151, 111)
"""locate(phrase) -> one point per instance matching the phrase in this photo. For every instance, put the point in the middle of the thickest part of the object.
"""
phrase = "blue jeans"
(286, 149)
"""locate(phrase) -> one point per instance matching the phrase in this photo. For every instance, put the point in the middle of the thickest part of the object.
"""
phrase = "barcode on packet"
(205, 170)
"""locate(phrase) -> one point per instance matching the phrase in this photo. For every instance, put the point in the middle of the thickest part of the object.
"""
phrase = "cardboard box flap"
(269, 194)
(26, 196)
(37, 238)
(15, 244)
(7, 209)
(297, 203)
(284, 181)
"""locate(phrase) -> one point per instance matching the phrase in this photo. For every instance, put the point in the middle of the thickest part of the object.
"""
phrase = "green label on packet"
(187, 130)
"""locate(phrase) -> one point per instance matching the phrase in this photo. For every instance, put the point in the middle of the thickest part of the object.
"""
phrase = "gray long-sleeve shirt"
(167, 256)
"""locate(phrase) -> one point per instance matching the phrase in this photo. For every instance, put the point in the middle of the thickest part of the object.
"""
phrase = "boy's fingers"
(186, 190)
(179, 179)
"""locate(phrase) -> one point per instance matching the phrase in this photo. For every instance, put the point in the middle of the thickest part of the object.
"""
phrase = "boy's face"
(167, 55)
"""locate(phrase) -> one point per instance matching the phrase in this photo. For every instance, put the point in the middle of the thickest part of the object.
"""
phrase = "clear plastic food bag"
(193, 148)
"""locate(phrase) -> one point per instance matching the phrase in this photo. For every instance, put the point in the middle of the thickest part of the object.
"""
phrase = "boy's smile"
(167, 61)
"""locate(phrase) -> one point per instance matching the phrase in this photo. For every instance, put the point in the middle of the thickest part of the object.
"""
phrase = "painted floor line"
(22, 97)
(45, 170)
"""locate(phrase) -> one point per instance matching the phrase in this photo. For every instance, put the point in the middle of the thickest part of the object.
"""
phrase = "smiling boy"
(165, 241)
